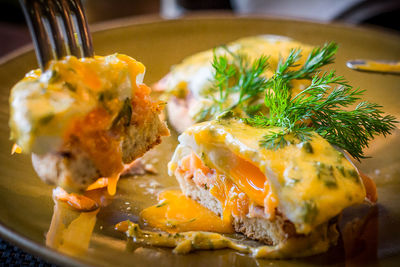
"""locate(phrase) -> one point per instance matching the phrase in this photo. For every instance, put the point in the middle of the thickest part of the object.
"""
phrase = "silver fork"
(58, 28)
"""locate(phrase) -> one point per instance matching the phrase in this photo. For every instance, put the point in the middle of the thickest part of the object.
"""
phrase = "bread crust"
(74, 170)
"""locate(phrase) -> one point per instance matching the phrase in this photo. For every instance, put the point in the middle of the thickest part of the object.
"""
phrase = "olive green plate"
(26, 205)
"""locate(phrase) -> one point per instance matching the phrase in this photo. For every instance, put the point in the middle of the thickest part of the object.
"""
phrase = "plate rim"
(36, 249)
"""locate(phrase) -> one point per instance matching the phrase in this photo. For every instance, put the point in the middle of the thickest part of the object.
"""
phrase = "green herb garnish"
(124, 115)
(235, 76)
(46, 119)
(54, 77)
(322, 107)
(70, 86)
(162, 204)
(310, 211)
(326, 175)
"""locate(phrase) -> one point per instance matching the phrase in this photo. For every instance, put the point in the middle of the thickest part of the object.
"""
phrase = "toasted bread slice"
(258, 228)
(72, 168)
(280, 232)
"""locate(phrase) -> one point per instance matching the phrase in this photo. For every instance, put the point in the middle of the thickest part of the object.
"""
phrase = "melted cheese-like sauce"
(177, 213)
(194, 72)
(312, 182)
(195, 240)
(45, 105)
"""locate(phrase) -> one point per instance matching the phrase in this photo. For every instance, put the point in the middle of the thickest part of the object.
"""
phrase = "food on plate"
(85, 118)
(70, 230)
(178, 213)
(74, 219)
(278, 171)
(273, 196)
(189, 87)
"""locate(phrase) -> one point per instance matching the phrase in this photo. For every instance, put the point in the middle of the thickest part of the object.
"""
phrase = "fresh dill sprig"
(322, 107)
(319, 57)
(235, 75)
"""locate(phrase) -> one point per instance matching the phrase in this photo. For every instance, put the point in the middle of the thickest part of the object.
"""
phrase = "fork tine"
(64, 10)
(83, 28)
(50, 11)
(32, 13)
(50, 34)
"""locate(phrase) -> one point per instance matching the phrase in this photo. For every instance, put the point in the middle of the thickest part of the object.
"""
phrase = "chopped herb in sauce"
(352, 174)
(326, 175)
(55, 76)
(70, 86)
(71, 69)
(105, 96)
(341, 170)
(210, 244)
(291, 181)
(46, 119)
(308, 147)
(170, 224)
(177, 235)
(225, 115)
(310, 211)
(125, 114)
(161, 204)
(174, 224)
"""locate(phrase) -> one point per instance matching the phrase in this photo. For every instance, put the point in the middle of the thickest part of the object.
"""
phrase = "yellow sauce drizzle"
(100, 183)
(177, 213)
(112, 184)
(16, 149)
(186, 242)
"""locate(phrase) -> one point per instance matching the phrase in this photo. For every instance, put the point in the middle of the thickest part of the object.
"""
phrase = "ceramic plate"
(27, 206)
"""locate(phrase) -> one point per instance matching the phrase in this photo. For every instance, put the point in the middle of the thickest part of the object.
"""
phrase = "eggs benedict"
(269, 195)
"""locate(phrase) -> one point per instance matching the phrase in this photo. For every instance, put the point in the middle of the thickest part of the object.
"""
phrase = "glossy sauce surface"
(312, 185)
(177, 213)
(45, 105)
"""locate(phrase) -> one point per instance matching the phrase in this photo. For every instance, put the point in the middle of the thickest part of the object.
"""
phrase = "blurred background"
(382, 13)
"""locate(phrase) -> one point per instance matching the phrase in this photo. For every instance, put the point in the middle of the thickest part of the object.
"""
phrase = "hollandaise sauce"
(186, 242)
